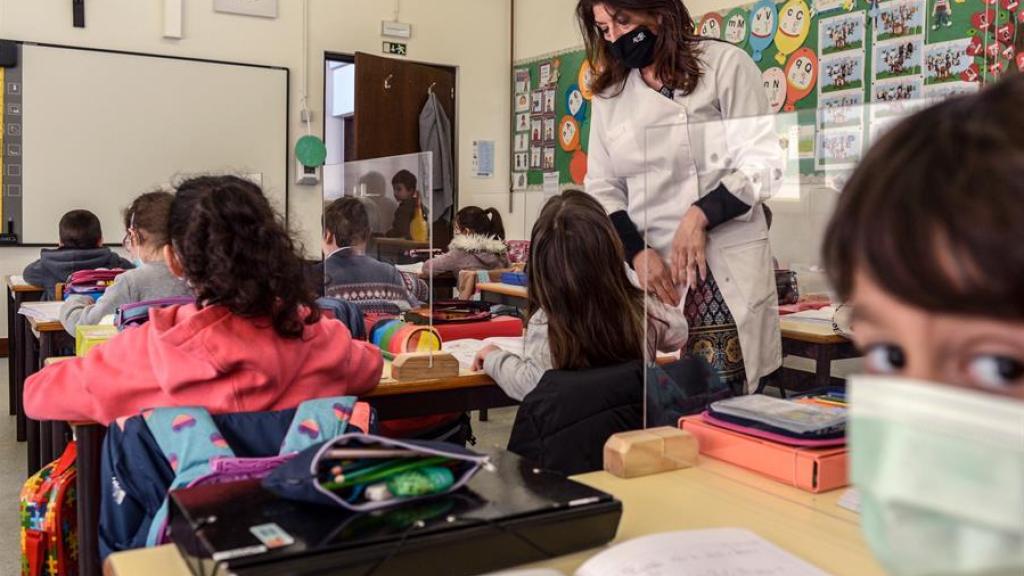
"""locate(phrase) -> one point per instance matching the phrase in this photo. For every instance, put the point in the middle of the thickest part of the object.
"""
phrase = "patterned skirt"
(713, 333)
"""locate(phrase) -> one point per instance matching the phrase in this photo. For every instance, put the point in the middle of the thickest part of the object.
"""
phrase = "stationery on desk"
(712, 552)
(17, 280)
(41, 311)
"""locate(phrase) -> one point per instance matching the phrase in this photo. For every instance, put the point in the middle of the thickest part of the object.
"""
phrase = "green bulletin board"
(840, 68)
(550, 133)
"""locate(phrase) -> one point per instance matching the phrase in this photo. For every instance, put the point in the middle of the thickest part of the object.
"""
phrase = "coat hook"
(430, 89)
(387, 81)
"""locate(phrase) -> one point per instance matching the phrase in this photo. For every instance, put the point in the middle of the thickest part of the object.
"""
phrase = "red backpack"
(49, 523)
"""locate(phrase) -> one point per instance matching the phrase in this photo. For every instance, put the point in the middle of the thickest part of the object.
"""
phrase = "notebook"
(713, 552)
(41, 311)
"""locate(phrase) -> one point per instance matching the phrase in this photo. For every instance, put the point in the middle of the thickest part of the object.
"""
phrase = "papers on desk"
(41, 311)
(415, 268)
(465, 349)
(18, 281)
(850, 500)
(714, 552)
(819, 316)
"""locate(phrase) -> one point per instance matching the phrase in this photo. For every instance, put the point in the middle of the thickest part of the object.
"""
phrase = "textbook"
(712, 552)
(465, 349)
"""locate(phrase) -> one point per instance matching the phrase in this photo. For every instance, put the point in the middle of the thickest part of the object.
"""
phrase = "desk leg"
(12, 385)
(90, 442)
(45, 442)
(823, 367)
(50, 432)
(32, 426)
(21, 349)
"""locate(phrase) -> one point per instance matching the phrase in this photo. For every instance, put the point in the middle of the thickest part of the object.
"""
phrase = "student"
(146, 224)
(407, 224)
(80, 248)
(253, 341)
(352, 275)
(926, 246)
(478, 244)
(584, 312)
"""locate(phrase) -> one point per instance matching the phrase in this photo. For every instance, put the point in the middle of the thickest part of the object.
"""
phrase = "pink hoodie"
(211, 358)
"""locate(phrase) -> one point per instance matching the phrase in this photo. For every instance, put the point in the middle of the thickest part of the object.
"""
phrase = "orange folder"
(811, 469)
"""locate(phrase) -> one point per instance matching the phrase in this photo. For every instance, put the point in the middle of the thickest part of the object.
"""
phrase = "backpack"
(199, 454)
(92, 283)
(49, 522)
(347, 313)
(137, 313)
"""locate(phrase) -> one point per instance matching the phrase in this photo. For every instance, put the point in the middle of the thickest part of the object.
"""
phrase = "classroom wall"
(480, 51)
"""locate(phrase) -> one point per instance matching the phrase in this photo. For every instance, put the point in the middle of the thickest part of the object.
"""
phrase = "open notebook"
(465, 349)
(713, 552)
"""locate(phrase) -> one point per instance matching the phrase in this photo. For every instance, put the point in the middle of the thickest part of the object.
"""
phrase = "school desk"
(393, 250)
(712, 494)
(817, 341)
(17, 292)
(501, 293)
(42, 340)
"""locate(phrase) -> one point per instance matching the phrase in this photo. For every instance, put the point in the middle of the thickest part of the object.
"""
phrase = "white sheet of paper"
(42, 311)
(850, 500)
(465, 349)
(414, 268)
(714, 552)
(19, 281)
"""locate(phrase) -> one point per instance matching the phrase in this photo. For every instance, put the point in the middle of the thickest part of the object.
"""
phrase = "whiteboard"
(100, 128)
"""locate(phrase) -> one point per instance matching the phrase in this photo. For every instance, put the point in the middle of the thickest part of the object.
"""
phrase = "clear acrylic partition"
(408, 220)
(793, 165)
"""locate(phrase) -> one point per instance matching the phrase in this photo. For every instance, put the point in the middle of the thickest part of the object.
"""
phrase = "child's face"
(974, 352)
(401, 192)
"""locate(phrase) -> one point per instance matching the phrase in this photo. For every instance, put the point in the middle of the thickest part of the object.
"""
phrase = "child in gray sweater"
(146, 236)
(585, 311)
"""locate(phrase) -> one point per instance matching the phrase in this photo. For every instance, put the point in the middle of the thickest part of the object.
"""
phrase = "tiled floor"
(12, 474)
(491, 434)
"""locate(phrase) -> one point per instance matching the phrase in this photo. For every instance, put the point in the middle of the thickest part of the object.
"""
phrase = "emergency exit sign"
(396, 48)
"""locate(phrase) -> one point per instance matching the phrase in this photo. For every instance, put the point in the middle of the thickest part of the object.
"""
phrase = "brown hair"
(346, 219)
(933, 213)
(237, 253)
(479, 221)
(146, 217)
(676, 50)
(595, 315)
(80, 229)
(406, 179)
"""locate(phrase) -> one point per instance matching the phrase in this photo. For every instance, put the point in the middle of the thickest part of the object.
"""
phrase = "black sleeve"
(632, 240)
(721, 206)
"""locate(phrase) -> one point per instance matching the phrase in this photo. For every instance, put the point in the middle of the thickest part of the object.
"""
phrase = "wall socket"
(264, 8)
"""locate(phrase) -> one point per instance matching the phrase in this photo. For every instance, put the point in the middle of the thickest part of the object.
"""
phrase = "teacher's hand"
(688, 246)
(655, 277)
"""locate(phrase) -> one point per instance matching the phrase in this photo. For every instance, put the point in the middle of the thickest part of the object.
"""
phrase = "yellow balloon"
(794, 25)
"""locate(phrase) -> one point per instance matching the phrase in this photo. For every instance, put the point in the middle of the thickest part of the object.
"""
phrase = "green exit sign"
(396, 48)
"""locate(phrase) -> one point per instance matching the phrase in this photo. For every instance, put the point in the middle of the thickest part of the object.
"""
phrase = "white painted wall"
(472, 35)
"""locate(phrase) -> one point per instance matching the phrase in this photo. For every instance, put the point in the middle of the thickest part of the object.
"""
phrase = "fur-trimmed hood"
(478, 243)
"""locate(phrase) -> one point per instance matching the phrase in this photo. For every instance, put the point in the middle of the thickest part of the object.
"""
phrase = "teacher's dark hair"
(676, 51)
(237, 253)
(933, 213)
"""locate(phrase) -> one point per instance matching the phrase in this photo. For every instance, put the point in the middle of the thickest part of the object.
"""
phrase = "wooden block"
(418, 366)
(643, 452)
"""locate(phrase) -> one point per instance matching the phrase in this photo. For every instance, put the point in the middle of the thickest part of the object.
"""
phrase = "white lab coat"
(654, 157)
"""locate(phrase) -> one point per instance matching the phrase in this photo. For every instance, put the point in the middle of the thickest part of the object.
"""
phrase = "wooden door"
(389, 97)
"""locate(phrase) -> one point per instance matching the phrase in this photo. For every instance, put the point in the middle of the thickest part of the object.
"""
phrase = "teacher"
(682, 153)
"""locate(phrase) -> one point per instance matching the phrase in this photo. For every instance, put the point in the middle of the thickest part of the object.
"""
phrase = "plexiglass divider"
(787, 171)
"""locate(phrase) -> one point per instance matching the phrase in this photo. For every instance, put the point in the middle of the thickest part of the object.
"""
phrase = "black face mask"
(635, 49)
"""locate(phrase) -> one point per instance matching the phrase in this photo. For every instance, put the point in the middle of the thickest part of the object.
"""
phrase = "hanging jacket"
(563, 423)
(436, 137)
(136, 474)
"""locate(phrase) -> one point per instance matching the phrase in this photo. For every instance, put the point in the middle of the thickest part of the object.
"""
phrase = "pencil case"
(348, 472)
(793, 418)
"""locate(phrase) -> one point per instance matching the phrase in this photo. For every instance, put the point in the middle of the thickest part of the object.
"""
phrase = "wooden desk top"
(814, 332)
(502, 288)
(714, 494)
(20, 287)
(41, 326)
(390, 387)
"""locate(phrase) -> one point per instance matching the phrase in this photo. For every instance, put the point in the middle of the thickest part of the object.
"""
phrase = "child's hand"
(478, 360)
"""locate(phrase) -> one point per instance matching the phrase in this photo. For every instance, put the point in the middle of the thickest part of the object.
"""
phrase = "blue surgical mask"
(940, 471)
